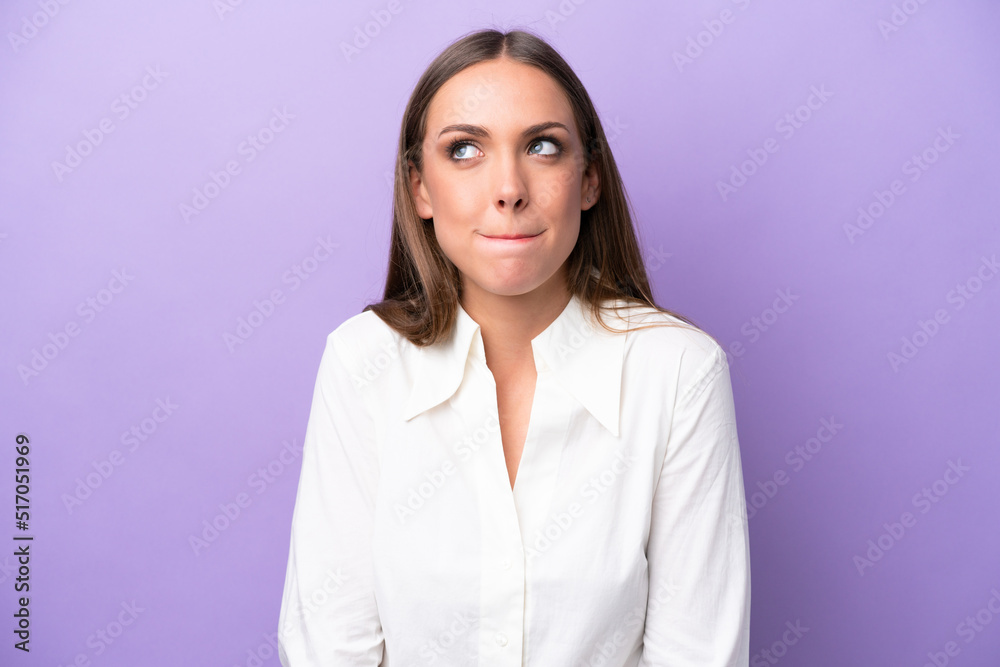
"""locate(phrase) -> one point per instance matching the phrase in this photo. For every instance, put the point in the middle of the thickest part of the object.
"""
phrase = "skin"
(501, 183)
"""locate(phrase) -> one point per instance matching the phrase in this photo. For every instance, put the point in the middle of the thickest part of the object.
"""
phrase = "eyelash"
(462, 142)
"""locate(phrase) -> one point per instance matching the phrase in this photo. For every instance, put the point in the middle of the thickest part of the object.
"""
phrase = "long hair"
(423, 286)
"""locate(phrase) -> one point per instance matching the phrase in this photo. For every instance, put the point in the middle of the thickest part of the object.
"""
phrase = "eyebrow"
(479, 131)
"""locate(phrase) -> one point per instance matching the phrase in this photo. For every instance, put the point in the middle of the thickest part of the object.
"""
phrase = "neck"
(509, 323)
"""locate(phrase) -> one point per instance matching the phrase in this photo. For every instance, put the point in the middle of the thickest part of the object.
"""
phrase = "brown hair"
(423, 286)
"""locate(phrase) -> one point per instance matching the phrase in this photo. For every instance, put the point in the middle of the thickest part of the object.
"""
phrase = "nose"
(511, 188)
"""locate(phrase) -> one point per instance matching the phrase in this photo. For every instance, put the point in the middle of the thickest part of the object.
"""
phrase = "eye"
(463, 150)
(458, 151)
(552, 150)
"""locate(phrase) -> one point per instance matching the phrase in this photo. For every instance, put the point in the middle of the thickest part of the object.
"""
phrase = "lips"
(510, 237)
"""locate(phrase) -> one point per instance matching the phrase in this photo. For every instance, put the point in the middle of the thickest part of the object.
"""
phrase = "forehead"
(498, 94)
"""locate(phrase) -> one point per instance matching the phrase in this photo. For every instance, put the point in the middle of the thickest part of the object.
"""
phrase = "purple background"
(677, 130)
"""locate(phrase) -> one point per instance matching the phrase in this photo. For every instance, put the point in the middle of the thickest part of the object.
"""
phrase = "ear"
(420, 197)
(591, 187)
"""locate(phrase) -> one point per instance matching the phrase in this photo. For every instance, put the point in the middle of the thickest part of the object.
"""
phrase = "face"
(504, 178)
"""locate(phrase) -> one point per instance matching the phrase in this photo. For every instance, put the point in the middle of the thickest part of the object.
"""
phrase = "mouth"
(511, 237)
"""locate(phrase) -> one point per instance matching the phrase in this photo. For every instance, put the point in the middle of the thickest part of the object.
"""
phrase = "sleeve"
(698, 609)
(328, 612)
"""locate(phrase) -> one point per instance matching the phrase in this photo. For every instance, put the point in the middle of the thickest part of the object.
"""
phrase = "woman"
(507, 342)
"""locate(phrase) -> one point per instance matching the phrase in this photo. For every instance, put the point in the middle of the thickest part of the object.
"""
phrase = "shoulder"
(659, 344)
(364, 343)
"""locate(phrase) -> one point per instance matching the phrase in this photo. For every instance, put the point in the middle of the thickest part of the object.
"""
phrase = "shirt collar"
(584, 358)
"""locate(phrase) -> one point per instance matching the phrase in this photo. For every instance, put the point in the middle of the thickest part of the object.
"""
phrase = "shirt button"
(505, 564)
(501, 639)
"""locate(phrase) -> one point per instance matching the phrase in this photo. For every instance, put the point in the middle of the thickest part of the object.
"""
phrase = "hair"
(423, 286)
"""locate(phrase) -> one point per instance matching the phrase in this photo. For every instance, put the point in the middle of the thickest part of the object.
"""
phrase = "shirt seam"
(707, 372)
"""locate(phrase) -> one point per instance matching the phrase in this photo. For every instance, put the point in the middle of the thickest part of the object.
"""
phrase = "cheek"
(559, 191)
(570, 236)
(457, 199)
(453, 237)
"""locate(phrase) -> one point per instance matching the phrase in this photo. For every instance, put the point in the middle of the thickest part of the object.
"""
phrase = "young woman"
(516, 457)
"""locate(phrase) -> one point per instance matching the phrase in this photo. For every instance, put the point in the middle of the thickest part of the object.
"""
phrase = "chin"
(509, 286)
(519, 286)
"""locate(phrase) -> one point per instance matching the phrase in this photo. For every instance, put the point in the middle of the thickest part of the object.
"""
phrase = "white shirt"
(624, 541)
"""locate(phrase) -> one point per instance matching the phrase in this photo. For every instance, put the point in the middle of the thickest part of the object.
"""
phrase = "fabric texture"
(623, 543)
